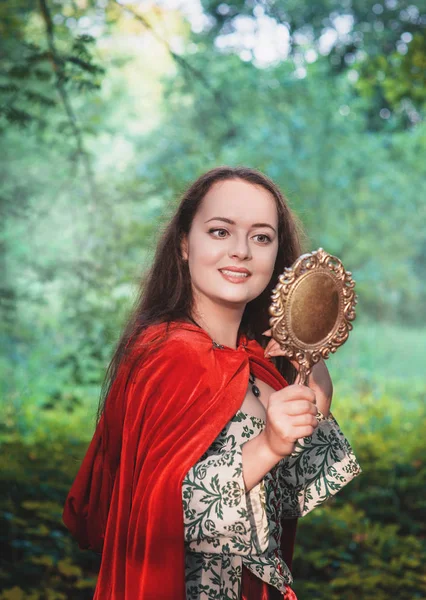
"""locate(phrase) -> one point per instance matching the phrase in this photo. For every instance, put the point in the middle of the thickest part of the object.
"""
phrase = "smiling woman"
(207, 451)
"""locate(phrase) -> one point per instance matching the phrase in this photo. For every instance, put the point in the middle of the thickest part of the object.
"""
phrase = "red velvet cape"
(126, 500)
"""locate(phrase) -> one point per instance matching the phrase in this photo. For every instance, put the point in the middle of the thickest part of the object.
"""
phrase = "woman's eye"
(266, 239)
(218, 231)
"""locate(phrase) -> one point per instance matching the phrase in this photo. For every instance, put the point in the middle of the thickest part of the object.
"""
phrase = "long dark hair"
(165, 292)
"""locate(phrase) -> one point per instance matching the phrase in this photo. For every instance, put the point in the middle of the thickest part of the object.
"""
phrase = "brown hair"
(166, 293)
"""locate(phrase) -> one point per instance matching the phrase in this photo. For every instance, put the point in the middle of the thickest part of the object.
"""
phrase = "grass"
(381, 350)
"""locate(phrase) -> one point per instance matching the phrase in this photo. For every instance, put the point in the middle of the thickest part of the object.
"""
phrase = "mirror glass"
(314, 308)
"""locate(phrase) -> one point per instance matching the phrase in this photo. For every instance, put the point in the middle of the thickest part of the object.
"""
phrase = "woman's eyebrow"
(225, 220)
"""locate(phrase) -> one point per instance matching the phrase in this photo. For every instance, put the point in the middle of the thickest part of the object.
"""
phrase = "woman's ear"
(184, 247)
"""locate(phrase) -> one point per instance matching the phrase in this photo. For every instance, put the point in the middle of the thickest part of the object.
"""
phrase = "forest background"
(108, 110)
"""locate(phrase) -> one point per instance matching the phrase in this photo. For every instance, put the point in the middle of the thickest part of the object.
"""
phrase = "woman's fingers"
(304, 420)
(273, 348)
(306, 431)
(300, 407)
(294, 391)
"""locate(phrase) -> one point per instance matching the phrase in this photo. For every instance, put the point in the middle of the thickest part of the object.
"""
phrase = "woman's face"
(234, 229)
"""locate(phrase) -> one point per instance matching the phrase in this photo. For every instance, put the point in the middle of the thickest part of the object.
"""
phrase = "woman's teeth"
(234, 273)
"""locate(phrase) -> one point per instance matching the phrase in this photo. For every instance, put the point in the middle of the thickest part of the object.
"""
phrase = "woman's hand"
(319, 380)
(290, 415)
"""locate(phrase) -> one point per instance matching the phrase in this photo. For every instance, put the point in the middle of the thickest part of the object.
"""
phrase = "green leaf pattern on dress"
(225, 527)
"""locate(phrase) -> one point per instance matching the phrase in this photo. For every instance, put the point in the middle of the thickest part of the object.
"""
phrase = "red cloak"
(126, 500)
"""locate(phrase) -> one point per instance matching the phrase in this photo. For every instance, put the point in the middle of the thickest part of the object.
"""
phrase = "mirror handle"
(304, 374)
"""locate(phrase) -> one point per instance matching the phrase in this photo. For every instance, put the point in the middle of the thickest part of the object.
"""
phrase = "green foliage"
(39, 559)
(381, 44)
(36, 69)
(398, 77)
(354, 556)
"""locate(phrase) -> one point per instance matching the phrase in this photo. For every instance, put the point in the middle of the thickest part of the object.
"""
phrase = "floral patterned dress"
(227, 527)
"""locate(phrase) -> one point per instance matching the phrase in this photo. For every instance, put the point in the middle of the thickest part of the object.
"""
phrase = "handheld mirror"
(312, 307)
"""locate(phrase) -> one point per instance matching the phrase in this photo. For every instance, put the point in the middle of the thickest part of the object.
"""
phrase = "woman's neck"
(222, 326)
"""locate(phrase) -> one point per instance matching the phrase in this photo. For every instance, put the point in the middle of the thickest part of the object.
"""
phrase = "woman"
(205, 451)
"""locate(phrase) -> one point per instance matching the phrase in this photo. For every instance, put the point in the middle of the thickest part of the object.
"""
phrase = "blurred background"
(108, 110)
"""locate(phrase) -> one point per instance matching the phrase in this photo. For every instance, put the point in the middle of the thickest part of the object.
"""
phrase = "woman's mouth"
(234, 276)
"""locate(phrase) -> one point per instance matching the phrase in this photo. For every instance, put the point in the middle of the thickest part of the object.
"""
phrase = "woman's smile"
(235, 274)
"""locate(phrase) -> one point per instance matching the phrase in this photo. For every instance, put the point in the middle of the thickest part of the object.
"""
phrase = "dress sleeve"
(219, 515)
(318, 468)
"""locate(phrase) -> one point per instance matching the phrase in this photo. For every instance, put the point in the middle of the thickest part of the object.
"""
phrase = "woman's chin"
(234, 299)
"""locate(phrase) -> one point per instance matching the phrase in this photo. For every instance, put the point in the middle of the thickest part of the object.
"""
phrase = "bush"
(39, 558)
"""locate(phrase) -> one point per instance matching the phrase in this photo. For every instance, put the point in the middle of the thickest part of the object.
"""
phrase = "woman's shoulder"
(174, 338)
(163, 351)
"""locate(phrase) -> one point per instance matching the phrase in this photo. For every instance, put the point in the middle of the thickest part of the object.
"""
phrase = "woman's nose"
(240, 249)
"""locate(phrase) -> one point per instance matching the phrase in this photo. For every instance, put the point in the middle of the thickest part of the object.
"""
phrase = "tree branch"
(57, 65)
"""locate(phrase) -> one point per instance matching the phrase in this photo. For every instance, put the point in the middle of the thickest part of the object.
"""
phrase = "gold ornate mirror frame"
(312, 308)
